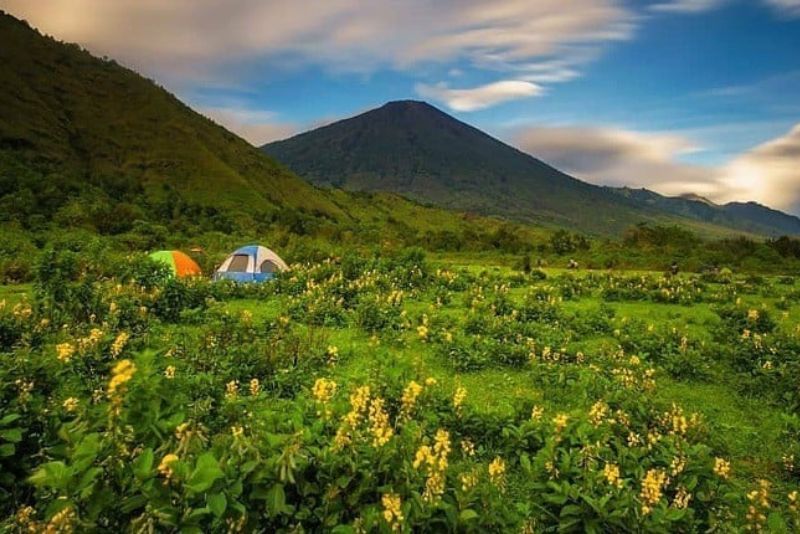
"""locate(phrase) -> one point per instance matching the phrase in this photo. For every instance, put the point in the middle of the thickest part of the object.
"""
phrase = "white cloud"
(768, 173)
(789, 8)
(480, 97)
(256, 126)
(613, 156)
(686, 6)
(195, 40)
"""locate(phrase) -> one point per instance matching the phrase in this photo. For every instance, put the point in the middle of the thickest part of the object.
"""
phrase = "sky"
(679, 96)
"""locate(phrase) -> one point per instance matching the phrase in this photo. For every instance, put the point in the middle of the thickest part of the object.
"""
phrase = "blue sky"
(676, 95)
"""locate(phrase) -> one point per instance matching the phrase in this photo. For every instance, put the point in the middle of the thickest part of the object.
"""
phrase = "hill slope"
(70, 121)
(412, 148)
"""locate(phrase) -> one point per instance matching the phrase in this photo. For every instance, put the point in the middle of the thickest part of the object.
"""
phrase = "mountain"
(73, 121)
(749, 217)
(414, 149)
(87, 143)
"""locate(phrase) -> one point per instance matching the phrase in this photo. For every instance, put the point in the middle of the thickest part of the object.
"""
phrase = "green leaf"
(206, 472)
(468, 515)
(10, 418)
(276, 500)
(217, 503)
(7, 449)
(12, 435)
(52, 474)
(143, 465)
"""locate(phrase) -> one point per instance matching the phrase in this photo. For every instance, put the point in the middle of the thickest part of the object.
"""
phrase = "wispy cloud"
(768, 173)
(789, 8)
(183, 41)
(480, 97)
(255, 125)
(686, 6)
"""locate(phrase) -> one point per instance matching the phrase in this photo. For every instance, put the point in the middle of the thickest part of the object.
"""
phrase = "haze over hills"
(414, 149)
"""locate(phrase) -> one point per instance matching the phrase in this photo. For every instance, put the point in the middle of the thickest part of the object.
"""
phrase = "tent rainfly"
(252, 263)
(179, 263)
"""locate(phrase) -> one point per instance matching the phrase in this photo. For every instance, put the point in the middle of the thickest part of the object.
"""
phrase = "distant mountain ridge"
(414, 149)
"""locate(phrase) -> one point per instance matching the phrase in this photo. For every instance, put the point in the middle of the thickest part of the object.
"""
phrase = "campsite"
(243, 288)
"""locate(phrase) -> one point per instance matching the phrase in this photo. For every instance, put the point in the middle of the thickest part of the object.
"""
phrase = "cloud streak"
(540, 41)
(768, 173)
(479, 97)
(256, 126)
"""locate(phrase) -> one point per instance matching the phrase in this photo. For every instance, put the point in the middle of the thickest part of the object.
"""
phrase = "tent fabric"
(252, 263)
(179, 263)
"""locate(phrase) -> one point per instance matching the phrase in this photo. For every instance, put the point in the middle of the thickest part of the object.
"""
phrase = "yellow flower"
(410, 394)
(422, 332)
(536, 413)
(65, 351)
(232, 389)
(169, 372)
(497, 472)
(611, 472)
(722, 468)
(71, 404)
(120, 375)
(119, 344)
(598, 412)
(468, 480)
(467, 447)
(379, 423)
(430, 381)
(62, 521)
(323, 391)
(237, 432)
(458, 397)
(652, 486)
(392, 512)
(560, 421)
(255, 387)
(165, 467)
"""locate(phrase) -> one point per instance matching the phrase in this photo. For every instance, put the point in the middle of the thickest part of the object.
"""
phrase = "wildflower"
(722, 468)
(379, 423)
(65, 352)
(468, 480)
(410, 394)
(682, 498)
(467, 447)
(119, 344)
(71, 404)
(392, 512)
(323, 391)
(165, 467)
(169, 372)
(24, 517)
(611, 473)
(458, 397)
(652, 487)
(560, 421)
(433, 460)
(237, 431)
(497, 472)
(752, 315)
(422, 332)
(598, 412)
(430, 381)
(536, 413)
(120, 375)
(333, 354)
(757, 507)
(62, 521)
(255, 387)
(232, 389)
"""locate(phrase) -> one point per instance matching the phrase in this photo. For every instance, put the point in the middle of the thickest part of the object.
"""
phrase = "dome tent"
(179, 263)
(251, 264)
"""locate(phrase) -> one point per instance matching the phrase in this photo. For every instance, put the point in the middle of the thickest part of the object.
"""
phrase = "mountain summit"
(414, 149)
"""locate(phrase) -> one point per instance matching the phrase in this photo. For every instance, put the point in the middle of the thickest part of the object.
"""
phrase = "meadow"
(399, 392)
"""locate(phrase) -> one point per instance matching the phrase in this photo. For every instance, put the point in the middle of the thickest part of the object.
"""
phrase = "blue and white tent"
(251, 264)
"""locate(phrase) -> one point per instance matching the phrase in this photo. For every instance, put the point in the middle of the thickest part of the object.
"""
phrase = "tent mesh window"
(239, 263)
(268, 266)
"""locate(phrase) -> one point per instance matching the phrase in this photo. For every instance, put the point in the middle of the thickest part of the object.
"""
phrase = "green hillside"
(414, 149)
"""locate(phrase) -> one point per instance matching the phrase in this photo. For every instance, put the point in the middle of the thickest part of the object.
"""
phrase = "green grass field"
(544, 401)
